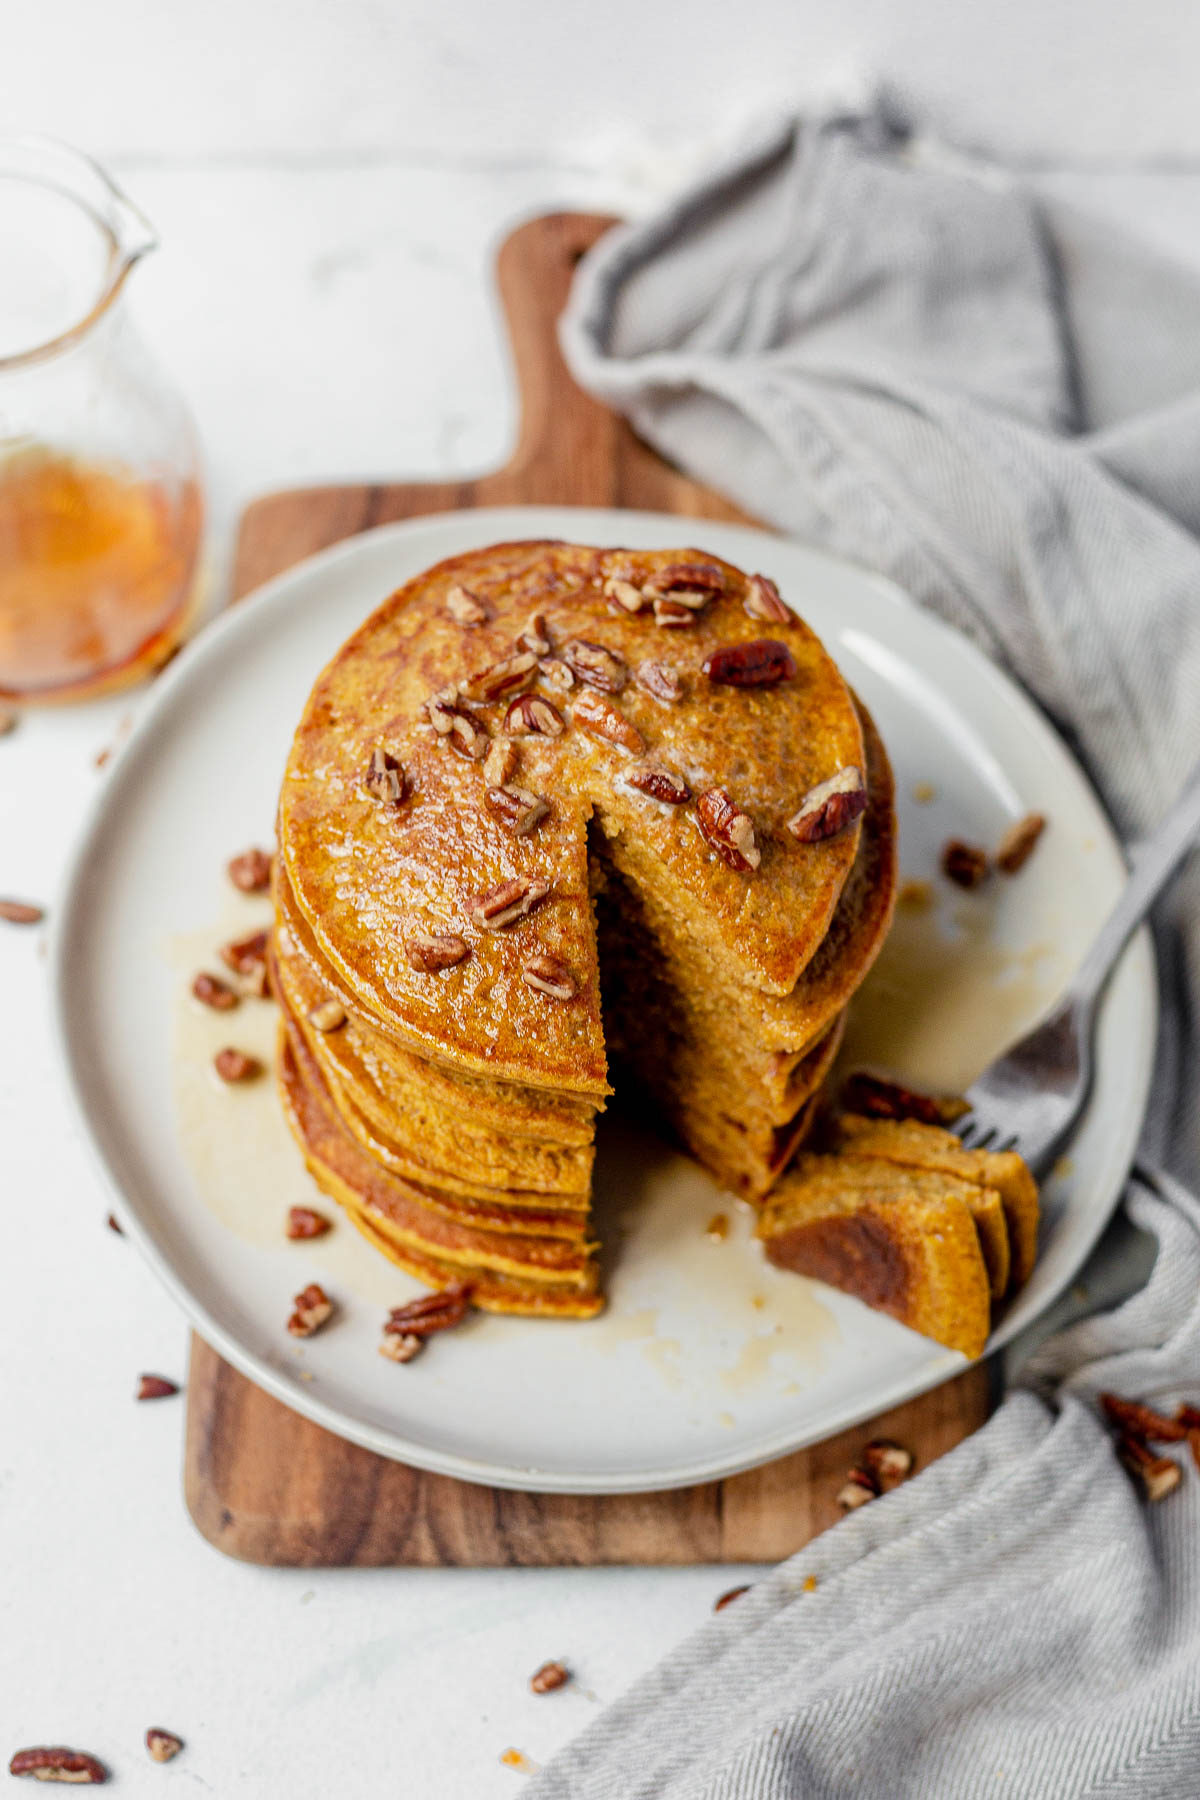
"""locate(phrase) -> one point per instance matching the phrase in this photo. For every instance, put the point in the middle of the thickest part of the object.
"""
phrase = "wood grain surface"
(264, 1484)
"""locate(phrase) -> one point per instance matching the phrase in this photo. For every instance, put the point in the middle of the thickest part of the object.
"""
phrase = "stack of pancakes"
(537, 770)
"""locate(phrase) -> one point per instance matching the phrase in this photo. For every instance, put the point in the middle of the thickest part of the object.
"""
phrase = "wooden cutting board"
(264, 1484)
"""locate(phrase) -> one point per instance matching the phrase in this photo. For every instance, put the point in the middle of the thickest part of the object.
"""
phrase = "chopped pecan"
(672, 614)
(554, 670)
(431, 952)
(401, 1346)
(763, 601)
(888, 1464)
(594, 665)
(255, 983)
(384, 779)
(499, 677)
(330, 1015)
(1138, 1420)
(879, 1097)
(244, 955)
(509, 901)
(46, 1762)
(466, 608)
(858, 1488)
(551, 1675)
(536, 636)
(210, 990)
(728, 829)
(439, 1311)
(600, 718)
(549, 975)
(693, 583)
(830, 807)
(469, 736)
(21, 912)
(966, 865)
(251, 871)
(729, 1596)
(1157, 1476)
(235, 1065)
(1018, 843)
(443, 709)
(501, 762)
(516, 807)
(303, 1222)
(760, 662)
(624, 594)
(659, 679)
(155, 1387)
(313, 1307)
(114, 1224)
(163, 1746)
(532, 715)
(661, 784)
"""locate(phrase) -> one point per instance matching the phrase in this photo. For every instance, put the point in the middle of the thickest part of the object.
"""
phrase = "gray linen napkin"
(928, 369)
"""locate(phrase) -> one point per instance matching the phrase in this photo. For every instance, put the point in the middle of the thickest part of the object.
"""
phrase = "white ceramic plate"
(706, 1361)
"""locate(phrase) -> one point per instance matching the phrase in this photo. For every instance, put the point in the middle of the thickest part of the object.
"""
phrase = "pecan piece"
(830, 807)
(661, 784)
(384, 779)
(550, 975)
(501, 762)
(659, 679)
(554, 670)
(499, 677)
(673, 615)
(966, 865)
(469, 736)
(595, 666)
(517, 808)
(466, 608)
(55, 1762)
(1157, 1476)
(886, 1463)
(858, 1488)
(155, 1387)
(431, 952)
(1018, 843)
(163, 1746)
(1137, 1420)
(407, 1327)
(728, 829)
(234, 1065)
(624, 594)
(759, 663)
(210, 990)
(244, 955)
(531, 715)
(330, 1015)
(251, 871)
(763, 601)
(21, 912)
(536, 636)
(692, 583)
(303, 1222)
(442, 709)
(879, 1097)
(509, 901)
(313, 1307)
(551, 1675)
(729, 1596)
(600, 718)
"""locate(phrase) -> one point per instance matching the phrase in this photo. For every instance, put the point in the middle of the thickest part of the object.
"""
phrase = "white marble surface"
(322, 297)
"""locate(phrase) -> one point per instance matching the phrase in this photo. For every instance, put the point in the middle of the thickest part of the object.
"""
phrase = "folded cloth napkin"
(928, 368)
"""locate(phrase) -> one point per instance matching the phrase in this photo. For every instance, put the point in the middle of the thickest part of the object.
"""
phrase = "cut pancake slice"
(910, 1144)
(904, 1242)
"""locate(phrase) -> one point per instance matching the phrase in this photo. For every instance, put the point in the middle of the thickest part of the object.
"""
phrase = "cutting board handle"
(566, 441)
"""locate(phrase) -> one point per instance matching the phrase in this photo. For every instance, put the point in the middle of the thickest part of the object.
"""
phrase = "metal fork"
(1031, 1098)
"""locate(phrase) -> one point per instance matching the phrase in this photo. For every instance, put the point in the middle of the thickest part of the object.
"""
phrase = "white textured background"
(329, 182)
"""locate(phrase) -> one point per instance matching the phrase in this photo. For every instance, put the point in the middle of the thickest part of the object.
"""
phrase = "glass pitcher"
(101, 508)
